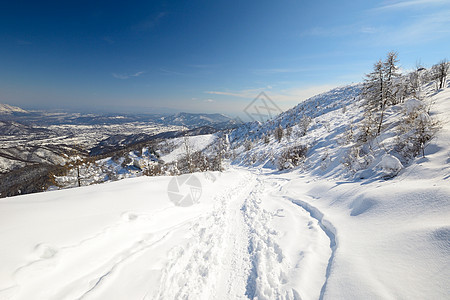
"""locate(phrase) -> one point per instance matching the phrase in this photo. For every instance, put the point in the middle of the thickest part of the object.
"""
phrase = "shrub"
(278, 133)
(292, 157)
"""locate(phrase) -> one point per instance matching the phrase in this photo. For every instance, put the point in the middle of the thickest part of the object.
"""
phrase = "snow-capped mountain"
(8, 109)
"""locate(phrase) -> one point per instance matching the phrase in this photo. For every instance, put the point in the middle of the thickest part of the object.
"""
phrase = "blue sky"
(204, 56)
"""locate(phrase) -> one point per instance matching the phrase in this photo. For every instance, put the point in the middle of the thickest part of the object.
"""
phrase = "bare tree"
(391, 74)
(374, 94)
(415, 83)
(380, 87)
(440, 71)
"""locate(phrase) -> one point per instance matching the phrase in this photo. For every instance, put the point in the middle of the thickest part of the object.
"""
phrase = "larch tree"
(441, 72)
(380, 88)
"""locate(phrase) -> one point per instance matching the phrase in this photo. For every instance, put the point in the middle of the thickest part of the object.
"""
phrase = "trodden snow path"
(235, 251)
(245, 239)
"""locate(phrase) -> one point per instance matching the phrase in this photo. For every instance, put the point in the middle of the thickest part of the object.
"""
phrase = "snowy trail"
(236, 251)
(200, 269)
(247, 241)
(292, 249)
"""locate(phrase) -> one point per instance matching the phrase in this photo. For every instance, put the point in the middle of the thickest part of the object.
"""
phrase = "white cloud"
(280, 71)
(340, 31)
(249, 94)
(285, 98)
(424, 28)
(126, 76)
(408, 4)
(296, 95)
(203, 66)
(170, 72)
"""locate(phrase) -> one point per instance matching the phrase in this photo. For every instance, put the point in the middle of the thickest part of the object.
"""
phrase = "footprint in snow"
(45, 251)
(130, 216)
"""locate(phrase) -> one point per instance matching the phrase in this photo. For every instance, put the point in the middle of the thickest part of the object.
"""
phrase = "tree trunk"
(78, 176)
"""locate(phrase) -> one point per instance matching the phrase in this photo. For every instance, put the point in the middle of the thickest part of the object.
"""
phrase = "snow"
(412, 105)
(312, 232)
(8, 109)
(195, 143)
(390, 165)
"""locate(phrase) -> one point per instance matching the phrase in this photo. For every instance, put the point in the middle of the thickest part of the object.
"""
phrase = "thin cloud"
(150, 23)
(203, 66)
(424, 28)
(23, 42)
(280, 71)
(409, 4)
(127, 76)
(339, 31)
(290, 96)
(293, 96)
(248, 94)
(170, 72)
(108, 40)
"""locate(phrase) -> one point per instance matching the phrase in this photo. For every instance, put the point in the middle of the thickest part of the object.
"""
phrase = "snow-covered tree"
(221, 149)
(391, 73)
(248, 145)
(380, 89)
(279, 133)
(440, 72)
(303, 125)
(187, 148)
(415, 84)
(288, 132)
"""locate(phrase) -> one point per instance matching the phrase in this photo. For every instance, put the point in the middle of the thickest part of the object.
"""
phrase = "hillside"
(350, 218)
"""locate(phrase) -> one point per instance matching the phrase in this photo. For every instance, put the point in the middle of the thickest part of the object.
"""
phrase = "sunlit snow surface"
(255, 233)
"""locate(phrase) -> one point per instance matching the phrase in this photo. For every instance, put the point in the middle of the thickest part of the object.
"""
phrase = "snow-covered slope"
(195, 120)
(317, 231)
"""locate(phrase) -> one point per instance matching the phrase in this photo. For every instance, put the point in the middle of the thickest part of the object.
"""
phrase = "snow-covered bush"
(248, 145)
(292, 157)
(415, 130)
(358, 157)
(303, 125)
(153, 169)
(390, 166)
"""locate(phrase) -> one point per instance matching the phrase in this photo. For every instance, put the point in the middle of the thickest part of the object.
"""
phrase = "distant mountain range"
(194, 120)
(45, 118)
